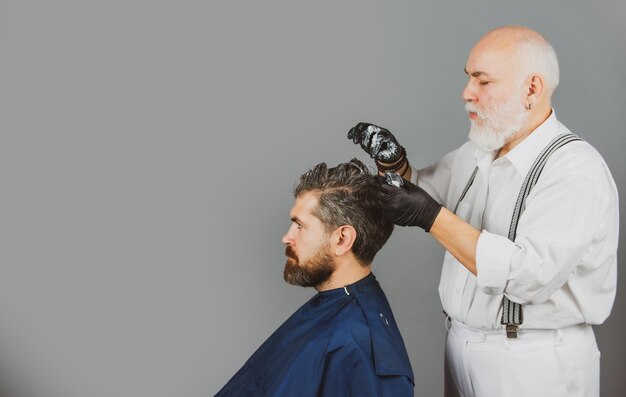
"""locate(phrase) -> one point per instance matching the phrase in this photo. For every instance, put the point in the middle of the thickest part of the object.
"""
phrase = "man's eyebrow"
(476, 74)
(296, 219)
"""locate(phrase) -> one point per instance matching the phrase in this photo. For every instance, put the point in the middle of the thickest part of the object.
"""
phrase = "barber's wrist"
(396, 163)
(390, 164)
(401, 167)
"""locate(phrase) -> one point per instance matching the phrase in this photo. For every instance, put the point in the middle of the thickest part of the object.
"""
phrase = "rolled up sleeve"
(493, 258)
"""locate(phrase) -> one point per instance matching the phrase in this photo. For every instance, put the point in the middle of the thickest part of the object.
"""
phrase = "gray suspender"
(512, 315)
(467, 186)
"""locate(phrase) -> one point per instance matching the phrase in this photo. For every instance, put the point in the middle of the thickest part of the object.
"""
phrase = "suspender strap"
(512, 315)
(467, 186)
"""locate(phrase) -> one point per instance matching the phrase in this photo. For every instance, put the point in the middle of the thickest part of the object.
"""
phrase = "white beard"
(496, 126)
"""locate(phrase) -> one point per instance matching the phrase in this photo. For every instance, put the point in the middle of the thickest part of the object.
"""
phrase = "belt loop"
(559, 335)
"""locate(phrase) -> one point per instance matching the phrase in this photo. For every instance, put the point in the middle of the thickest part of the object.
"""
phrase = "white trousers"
(550, 363)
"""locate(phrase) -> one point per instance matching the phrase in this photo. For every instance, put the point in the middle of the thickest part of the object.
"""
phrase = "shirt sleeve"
(493, 258)
(571, 210)
(435, 179)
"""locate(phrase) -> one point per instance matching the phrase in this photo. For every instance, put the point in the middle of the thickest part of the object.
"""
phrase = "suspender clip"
(511, 331)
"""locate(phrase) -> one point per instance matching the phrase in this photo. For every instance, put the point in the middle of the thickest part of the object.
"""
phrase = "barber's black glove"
(408, 205)
(378, 142)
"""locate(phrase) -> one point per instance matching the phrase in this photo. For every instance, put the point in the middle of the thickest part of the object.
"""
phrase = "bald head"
(531, 53)
(513, 34)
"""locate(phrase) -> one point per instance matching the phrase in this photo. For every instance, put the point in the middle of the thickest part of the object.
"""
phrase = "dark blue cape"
(342, 342)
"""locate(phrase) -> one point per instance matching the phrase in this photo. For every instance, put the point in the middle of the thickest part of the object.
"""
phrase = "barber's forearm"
(458, 237)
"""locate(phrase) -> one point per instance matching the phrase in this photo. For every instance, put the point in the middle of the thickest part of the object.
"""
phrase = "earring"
(529, 106)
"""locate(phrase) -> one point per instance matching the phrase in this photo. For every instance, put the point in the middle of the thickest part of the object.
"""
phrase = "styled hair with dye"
(348, 196)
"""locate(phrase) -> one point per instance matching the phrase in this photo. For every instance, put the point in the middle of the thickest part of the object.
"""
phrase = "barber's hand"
(378, 142)
(409, 205)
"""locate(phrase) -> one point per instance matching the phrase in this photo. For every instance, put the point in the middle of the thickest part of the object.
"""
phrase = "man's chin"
(293, 274)
(485, 141)
(306, 275)
(291, 266)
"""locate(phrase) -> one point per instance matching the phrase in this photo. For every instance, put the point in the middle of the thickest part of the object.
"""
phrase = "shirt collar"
(524, 154)
(483, 160)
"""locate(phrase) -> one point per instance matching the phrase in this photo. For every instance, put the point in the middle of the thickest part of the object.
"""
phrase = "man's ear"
(536, 90)
(343, 239)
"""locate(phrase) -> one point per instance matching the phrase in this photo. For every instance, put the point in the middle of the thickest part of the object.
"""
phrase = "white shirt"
(563, 264)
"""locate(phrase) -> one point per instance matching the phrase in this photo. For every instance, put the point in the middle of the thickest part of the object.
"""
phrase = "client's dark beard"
(312, 273)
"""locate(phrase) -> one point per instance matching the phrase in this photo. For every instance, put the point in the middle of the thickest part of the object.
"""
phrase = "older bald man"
(528, 215)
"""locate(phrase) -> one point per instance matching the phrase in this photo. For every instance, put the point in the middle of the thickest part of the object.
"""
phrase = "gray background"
(149, 148)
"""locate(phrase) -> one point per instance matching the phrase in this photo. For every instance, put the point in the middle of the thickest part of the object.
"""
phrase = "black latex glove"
(409, 205)
(378, 142)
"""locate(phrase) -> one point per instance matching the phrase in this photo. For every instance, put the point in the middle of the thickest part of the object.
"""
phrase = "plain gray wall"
(148, 151)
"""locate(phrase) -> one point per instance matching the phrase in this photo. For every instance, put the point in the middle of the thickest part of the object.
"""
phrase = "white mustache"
(471, 108)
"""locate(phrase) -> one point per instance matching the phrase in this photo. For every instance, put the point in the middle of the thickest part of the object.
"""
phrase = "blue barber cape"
(342, 342)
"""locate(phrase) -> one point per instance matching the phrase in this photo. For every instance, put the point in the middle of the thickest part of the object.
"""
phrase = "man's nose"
(468, 93)
(288, 237)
